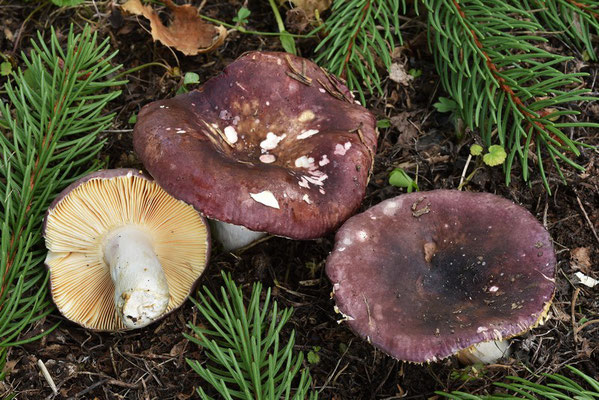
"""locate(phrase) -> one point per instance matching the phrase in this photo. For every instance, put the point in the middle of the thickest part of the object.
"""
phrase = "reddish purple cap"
(274, 143)
(425, 275)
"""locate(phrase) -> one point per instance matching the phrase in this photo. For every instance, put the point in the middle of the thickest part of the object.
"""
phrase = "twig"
(463, 176)
(47, 376)
(586, 216)
(591, 322)
(572, 313)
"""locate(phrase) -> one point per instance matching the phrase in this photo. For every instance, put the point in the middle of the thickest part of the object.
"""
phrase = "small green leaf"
(476, 149)
(383, 123)
(415, 72)
(399, 178)
(191, 78)
(5, 68)
(132, 119)
(313, 357)
(287, 42)
(446, 105)
(495, 156)
(242, 16)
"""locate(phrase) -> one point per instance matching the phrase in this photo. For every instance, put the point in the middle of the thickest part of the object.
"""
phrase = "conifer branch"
(573, 20)
(48, 139)
(504, 84)
(246, 357)
(360, 33)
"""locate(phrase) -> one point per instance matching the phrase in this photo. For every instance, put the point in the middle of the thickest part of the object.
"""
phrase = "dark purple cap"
(425, 275)
(274, 143)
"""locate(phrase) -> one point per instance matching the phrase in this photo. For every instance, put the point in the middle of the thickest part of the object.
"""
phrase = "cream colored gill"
(78, 225)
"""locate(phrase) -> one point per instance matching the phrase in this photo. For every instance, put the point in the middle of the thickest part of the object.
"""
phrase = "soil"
(150, 363)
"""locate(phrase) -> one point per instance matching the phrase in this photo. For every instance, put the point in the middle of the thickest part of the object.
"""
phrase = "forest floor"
(150, 363)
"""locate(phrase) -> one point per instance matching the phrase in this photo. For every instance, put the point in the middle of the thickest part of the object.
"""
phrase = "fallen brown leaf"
(310, 6)
(581, 259)
(186, 32)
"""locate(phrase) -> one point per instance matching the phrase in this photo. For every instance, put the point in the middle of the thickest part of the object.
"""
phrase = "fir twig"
(573, 20)
(246, 357)
(556, 386)
(505, 85)
(360, 33)
(48, 139)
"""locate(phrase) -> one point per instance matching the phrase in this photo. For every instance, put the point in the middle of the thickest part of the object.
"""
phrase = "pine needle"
(247, 358)
(360, 33)
(506, 85)
(556, 387)
(48, 139)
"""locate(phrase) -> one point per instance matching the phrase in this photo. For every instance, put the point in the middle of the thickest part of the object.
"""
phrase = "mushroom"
(426, 275)
(274, 144)
(121, 251)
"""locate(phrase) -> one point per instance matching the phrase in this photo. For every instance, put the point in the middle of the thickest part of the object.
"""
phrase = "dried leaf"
(581, 259)
(397, 73)
(186, 32)
(310, 6)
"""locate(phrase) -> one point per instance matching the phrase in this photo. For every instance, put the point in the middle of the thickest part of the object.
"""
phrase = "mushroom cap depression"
(85, 213)
(425, 275)
(274, 143)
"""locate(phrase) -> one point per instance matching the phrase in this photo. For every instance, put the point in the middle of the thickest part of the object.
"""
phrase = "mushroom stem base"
(485, 352)
(233, 237)
(140, 287)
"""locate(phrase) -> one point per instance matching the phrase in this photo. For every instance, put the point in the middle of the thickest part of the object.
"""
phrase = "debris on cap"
(275, 144)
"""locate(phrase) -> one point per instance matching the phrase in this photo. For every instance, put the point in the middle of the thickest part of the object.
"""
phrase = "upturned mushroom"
(426, 275)
(122, 253)
(274, 144)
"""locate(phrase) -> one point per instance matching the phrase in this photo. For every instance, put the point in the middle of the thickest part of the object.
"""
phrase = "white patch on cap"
(267, 158)
(304, 183)
(321, 90)
(307, 134)
(316, 179)
(323, 161)
(493, 289)
(362, 236)
(306, 116)
(267, 103)
(340, 149)
(304, 162)
(224, 114)
(390, 207)
(271, 141)
(267, 198)
(231, 134)
(306, 198)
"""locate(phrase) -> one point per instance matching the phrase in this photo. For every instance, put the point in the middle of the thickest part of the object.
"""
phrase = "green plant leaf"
(446, 105)
(242, 16)
(5, 68)
(383, 123)
(191, 78)
(287, 42)
(476, 149)
(495, 156)
(399, 178)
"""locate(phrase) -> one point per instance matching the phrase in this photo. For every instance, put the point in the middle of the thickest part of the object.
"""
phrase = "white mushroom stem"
(140, 288)
(485, 352)
(234, 237)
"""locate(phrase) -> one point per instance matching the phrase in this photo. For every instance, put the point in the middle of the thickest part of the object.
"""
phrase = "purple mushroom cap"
(425, 275)
(274, 143)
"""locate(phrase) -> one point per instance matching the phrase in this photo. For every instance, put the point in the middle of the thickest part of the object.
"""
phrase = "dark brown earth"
(150, 363)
